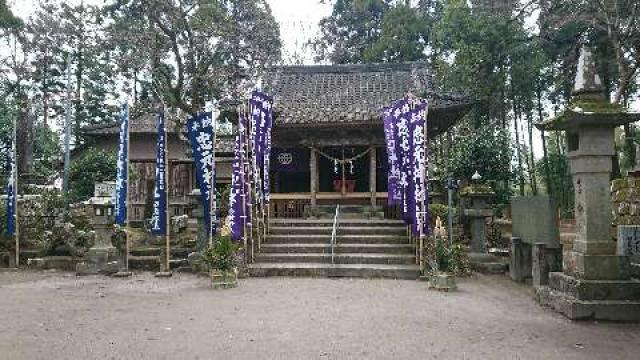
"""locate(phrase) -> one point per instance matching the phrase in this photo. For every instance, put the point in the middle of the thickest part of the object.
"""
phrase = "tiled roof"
(319, 95)
(353, 94)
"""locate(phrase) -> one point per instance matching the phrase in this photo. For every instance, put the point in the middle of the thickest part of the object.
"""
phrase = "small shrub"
(222, 255)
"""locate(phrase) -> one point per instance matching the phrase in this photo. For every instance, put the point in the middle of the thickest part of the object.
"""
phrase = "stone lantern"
(102, 256)
(595, 282)
(476, 200)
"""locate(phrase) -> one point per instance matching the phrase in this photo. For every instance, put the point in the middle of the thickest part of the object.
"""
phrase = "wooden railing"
(292, 205)
(289, 205)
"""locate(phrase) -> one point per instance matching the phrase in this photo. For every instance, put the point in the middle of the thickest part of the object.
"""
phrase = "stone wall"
(625, 195)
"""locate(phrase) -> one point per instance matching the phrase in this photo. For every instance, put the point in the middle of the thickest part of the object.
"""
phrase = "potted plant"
(221, 261)
(448, 261)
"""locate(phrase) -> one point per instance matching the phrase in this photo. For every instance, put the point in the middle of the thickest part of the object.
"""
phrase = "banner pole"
(242, 185)
(253, 175)
(16, 177)
(247, 167)
(166, 194)
(127, 220)
(213, 203)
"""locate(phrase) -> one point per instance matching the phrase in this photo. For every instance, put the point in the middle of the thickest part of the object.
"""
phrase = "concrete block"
(629, 242)
(520, 267)
(535, 220)
(544, 261)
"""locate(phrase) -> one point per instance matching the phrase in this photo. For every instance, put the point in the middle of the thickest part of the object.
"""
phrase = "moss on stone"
(476, 189)
(598, 107)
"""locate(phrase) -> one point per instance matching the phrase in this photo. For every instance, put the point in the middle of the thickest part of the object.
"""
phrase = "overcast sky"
(298, 20)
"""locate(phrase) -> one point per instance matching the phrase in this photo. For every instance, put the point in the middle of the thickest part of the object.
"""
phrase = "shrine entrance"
(319, 177)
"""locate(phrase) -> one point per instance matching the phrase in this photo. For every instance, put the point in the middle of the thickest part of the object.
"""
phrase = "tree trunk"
(24, 134)
(516, 112)
(547, 173)
(532, 164)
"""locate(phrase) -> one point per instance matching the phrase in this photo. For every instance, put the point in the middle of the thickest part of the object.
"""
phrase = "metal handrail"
(334, 233)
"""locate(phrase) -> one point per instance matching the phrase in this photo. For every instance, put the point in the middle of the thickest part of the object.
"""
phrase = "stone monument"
(102, 257)
(595, 281)
(535, 231)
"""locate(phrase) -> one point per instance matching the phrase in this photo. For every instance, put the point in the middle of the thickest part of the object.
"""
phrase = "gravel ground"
(55, 315)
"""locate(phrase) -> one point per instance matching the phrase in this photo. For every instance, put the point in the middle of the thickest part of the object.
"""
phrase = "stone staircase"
(365, 248)
(148, 258)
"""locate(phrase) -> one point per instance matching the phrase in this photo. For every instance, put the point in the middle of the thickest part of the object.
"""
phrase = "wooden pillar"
(313, 165)
(372, 177)
(343, 188)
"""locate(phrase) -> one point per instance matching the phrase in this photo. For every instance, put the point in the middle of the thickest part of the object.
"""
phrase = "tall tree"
(351, 29)
(193, 51)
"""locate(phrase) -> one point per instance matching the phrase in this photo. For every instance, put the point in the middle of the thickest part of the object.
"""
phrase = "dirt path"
(59, 316)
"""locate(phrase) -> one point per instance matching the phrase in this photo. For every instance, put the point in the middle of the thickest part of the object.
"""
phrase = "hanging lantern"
(335, 166)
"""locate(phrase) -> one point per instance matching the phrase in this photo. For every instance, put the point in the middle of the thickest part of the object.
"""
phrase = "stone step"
(595, 289)
(329, 222)
(176, 252)
(490, 267)
(340, 270)
(576, 309)
(152, 263)
(340, 239)
(342, 229)
(340, 248)
(342, 258)
(147, 263)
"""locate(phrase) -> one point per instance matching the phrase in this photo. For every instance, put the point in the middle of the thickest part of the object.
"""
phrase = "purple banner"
(393, 176)
(239, 211)
(260, 138)
(404, 127)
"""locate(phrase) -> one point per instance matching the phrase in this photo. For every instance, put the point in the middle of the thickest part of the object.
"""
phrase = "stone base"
(597, 267)
(488, 264)
(580, 299)
(442, 282)
(100, 261)
(224, 279)
(588, 310)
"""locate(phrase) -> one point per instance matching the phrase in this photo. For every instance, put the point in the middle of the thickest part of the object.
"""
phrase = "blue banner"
(239, 211)
(159, 217)
(11, 191)
(201, 135)
(123, 168)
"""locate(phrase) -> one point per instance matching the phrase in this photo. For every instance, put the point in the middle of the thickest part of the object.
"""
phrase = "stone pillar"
(595, 282)
(372, 177)
(313, 172)
(520, 265)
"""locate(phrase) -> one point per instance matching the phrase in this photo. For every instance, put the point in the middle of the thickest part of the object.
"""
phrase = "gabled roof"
(327, 94)
(320, 95)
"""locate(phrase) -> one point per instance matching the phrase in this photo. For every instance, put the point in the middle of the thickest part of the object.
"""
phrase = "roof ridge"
(347, 68)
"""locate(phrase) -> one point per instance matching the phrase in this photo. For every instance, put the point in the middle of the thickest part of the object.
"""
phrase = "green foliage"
(486, 150)
(452, 259)
(438, 210)
(350, 30)
(37, 217)
(46, 152)
(559, 180)
(222, 255)
(403, 37)
(92, 166)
